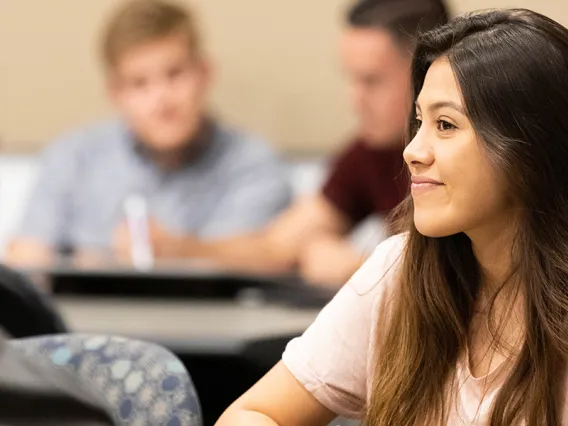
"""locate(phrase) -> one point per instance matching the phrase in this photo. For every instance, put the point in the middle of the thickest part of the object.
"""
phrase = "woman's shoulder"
(379, 273)
(332, 357)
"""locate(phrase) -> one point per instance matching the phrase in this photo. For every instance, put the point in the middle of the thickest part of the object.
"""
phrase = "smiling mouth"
(419, 188)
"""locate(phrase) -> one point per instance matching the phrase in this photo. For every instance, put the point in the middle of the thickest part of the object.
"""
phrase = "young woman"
(463, 318)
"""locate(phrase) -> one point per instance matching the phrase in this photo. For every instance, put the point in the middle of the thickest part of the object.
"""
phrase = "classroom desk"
(177, 280)
(185, 326)
(88, 264)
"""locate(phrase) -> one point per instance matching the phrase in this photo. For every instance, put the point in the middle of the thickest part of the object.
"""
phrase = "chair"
(25, 311)
(144, 384)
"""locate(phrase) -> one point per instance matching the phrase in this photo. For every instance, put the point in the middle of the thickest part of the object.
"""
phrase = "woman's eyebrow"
(442, 104)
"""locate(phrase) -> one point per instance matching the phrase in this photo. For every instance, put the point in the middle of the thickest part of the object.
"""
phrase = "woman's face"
(454, 187)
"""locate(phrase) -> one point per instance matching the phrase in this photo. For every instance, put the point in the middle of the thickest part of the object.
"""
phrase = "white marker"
(137, 218)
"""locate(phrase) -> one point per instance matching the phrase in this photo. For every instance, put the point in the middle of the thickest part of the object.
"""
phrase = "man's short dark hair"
(404, 19)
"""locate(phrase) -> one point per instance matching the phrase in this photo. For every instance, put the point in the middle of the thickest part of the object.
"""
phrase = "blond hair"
(142, 21)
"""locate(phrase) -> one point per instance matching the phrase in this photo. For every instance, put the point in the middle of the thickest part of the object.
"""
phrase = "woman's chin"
(433, 229)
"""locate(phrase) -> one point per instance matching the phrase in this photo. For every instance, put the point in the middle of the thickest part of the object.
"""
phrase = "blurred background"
(277, 65)
(277, 74)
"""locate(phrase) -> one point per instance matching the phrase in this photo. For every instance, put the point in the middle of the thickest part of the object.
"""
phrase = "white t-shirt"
(333, 359)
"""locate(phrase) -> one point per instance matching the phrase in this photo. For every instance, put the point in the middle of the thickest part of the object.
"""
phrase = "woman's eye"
(444, 126)
(417, 124)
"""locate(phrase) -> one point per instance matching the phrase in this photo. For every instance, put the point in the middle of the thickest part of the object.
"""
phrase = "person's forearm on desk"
(255, 253)
(27, 252)
(273, 250)
(330, 261)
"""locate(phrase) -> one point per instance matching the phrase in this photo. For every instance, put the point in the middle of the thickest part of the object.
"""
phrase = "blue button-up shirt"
(235, 185)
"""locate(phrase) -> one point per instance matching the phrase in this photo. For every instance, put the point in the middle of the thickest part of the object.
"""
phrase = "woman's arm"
(278, 399)
(330, 359)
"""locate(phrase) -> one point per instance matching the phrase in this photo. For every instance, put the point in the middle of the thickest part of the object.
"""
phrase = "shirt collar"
(189, 153)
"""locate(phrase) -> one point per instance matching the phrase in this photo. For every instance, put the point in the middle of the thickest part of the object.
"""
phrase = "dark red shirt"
(365, 180)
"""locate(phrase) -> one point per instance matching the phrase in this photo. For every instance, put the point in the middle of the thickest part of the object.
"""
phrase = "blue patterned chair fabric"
(143, 383)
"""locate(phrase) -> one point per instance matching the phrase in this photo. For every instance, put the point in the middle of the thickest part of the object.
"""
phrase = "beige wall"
(276, 60)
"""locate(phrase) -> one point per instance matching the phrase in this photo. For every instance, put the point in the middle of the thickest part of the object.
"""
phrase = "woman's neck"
(497, 328)
(492, 246)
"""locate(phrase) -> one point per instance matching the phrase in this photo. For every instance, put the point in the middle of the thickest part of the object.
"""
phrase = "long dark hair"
(512, 69)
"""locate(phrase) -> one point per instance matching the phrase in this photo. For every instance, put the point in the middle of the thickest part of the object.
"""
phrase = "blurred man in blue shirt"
(197, 176)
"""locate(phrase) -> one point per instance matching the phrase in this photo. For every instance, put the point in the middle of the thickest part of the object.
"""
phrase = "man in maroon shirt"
(366, 178)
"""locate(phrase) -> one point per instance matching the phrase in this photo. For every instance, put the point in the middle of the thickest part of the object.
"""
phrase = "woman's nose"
(418, 152)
